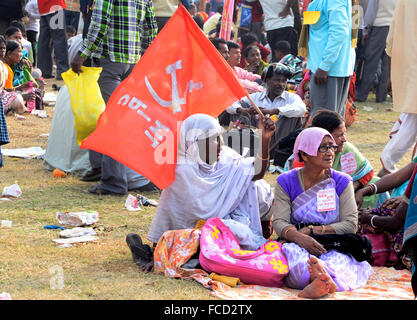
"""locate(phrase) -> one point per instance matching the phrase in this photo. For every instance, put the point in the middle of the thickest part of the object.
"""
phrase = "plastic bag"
(77, 219)
(86, 101)
(131, 203)
(12, 191)
(77, 232)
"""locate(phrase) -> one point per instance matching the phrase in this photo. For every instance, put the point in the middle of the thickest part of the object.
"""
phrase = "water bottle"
(31, 103)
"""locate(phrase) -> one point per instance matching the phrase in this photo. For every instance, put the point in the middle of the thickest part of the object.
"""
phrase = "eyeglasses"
(324, 148)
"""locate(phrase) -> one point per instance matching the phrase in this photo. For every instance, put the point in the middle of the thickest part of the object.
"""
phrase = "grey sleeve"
(370, 14)
(281, 210)
(348, 212)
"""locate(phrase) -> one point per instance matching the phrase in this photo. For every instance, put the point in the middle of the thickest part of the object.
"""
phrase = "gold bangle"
(264, 159)
(322, 228)
(285, 233)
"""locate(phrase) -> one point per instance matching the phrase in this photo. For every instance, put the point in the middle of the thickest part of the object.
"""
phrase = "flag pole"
(255, 106)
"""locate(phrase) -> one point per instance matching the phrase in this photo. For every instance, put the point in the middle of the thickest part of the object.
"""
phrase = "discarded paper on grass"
(78, 219)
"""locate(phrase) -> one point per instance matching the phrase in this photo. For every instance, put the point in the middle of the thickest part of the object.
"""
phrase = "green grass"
(104, 269)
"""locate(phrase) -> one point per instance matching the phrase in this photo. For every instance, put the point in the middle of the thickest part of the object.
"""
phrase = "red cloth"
(297, 164)
(368, 177)
(352, 86)
(304, 5)
(257, 12)
(139, 127)
(50, 6)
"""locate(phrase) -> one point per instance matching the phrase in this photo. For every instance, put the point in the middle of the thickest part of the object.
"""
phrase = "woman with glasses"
(312, 201)
(348, 158)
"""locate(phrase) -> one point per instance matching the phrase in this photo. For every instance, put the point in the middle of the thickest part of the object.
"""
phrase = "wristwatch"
(311, 229)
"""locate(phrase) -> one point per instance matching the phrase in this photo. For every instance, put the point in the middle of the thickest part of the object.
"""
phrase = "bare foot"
(316, 268)
(319, 287)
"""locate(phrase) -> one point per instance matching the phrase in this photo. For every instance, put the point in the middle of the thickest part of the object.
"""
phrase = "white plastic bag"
(6, 223)
(131, 203)
(77, 219)
(77, 232)
(12, 191)
(5, 296)
(66, 241)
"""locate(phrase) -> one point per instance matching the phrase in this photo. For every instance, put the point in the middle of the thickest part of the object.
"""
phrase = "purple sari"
(346, 272)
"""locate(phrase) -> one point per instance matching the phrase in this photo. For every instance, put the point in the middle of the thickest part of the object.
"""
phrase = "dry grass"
(103, 269)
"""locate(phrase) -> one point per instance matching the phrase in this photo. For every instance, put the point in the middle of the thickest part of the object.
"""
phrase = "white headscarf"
(203, 191)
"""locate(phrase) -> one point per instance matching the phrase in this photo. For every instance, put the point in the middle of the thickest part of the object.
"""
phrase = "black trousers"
(32, 39)
(288, 34)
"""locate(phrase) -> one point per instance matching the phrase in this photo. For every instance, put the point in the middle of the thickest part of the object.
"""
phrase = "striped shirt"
(120, 30)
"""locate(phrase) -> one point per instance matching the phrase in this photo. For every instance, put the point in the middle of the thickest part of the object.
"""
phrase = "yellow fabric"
(200, 223)
(86, 101)
(230, 281)
(311, 17)
(402, 48)
(211, 23)
(165, 8)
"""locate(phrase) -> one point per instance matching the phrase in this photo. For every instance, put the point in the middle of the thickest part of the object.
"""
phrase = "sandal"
(141, 253)
(98, 190)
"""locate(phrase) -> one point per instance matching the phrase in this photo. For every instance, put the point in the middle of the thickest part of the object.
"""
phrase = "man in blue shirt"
(331, 56)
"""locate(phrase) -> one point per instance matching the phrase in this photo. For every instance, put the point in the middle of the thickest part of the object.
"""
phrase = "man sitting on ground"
(275, 100)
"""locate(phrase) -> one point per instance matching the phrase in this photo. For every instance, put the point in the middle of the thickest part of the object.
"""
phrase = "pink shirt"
(247, 79)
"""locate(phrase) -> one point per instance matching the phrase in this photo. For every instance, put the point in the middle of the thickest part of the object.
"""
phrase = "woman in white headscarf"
(212, 180)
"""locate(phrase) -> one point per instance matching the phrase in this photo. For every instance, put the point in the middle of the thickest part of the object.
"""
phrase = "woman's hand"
(311, 245)
(26, 63)
(267, 127)
(365, 216)
(253, 67)
(359, 198)
(392, 203)
(305, 231)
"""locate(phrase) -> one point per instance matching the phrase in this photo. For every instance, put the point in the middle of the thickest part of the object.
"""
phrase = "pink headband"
(309, 141)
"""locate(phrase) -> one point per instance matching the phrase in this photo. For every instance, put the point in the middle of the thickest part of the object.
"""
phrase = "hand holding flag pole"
(261, 115)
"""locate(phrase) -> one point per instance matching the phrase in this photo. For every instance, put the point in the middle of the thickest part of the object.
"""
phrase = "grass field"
(33, 267)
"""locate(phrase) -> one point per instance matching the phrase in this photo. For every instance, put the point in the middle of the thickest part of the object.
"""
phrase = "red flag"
(180, 74)
(49, 6)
